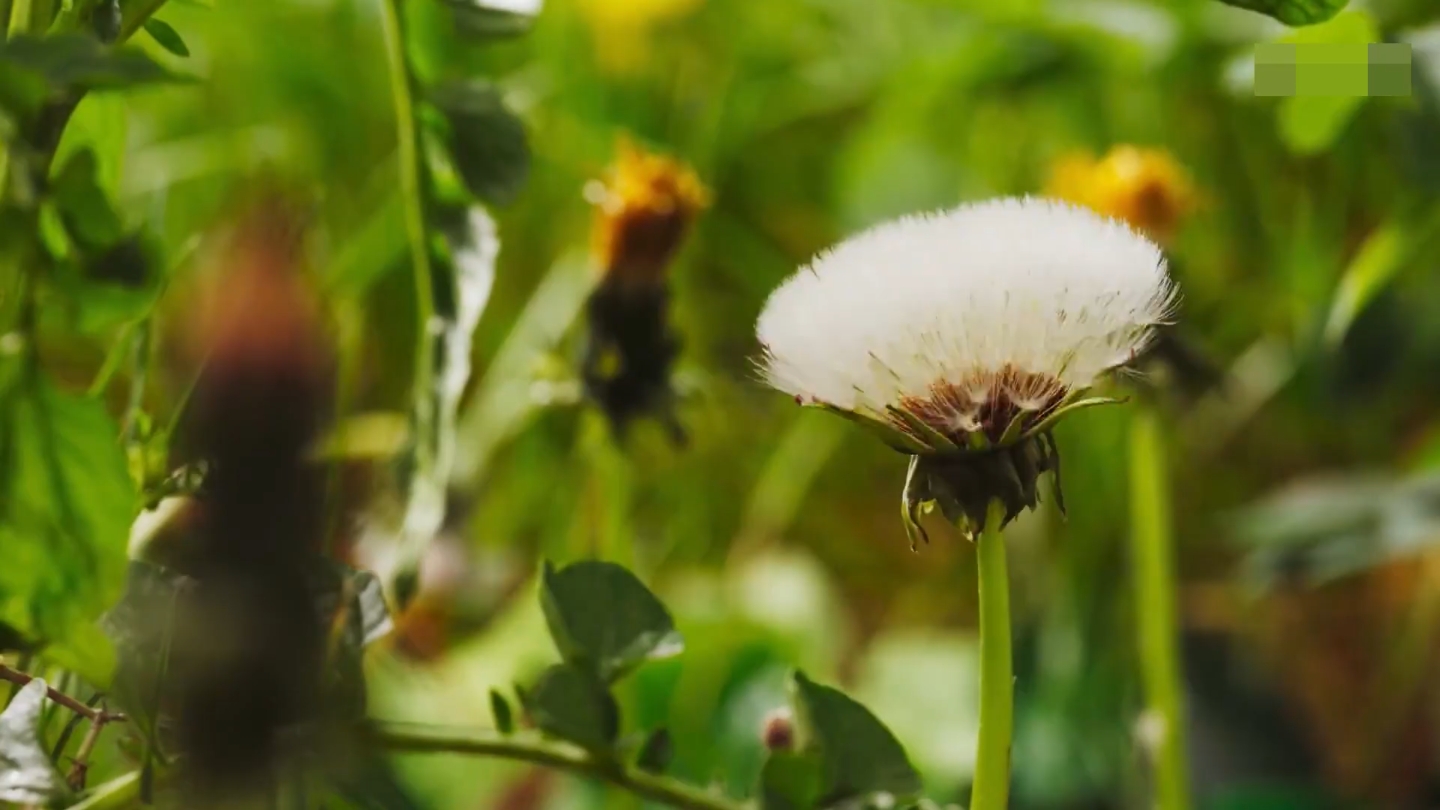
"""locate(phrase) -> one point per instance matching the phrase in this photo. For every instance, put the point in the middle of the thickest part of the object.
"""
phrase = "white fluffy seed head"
(1035, 297)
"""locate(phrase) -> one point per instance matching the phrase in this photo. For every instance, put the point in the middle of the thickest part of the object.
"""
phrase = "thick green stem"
(997, 681)
(1153, 574)
(661, 789)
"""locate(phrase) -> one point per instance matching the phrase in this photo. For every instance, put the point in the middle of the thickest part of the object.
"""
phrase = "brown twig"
(80, 766)
(15, 676)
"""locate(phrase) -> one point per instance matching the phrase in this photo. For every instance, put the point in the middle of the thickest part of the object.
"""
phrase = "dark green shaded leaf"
(790, 781)
(572, 704)
(78, 62)
(167, 36)
(657, 752)
(1293, 12)
(29, 778)
(859, 755)
(487, 143)
(604, 619)
(88, 216)
(477, 18)
(500, 710)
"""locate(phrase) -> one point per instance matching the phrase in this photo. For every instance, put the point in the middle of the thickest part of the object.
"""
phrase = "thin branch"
(80, 767)
(19, 678)
(560, 756)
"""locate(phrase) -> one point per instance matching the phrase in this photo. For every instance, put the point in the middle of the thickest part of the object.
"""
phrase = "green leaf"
(790, 781)
(572, 704)
(487, 144)
(500, 710)
(84, 208)
(1310, 124)
(604, 620)
(166, 36)
(1384, 252)
(29, 777)
(66, 503)
(656, 753)
(1293, 12)
(859, 755)
(77, 62)
(477, 18)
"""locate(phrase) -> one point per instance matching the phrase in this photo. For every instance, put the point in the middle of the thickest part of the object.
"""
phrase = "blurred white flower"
(976, 323)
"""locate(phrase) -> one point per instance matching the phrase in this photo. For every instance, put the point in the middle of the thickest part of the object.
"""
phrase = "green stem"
(20, 18)
(997, 681)
(561, 756)
(408, 155)
(1153, 574)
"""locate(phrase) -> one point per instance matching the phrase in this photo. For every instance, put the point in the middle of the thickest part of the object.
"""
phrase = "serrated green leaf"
(168, 38)
(859, 756)
(604, 620)
(1293, 12)
(486, 142)
(574, 705)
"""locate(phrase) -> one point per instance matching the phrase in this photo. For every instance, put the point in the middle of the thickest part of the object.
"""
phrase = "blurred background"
(1305, 234)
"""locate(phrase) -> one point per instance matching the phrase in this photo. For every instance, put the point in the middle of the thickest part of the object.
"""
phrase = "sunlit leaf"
(26, 775)
(1293, 12)
(1309, 124)
(604, 619)
(1383, 253)
(859, 755)
(572, 704)
(66, 502)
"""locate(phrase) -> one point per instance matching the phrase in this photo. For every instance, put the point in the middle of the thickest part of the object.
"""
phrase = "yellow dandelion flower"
(1146, 188)
(644, 208)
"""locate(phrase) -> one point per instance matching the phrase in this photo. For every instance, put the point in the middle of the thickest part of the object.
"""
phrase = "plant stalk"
(1153, 576)
(561, 756)
(997, 680)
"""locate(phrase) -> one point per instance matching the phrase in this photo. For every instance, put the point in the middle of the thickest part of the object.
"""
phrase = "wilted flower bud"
(644, 209)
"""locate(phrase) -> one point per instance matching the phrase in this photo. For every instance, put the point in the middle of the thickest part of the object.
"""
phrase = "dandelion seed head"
(963, 317)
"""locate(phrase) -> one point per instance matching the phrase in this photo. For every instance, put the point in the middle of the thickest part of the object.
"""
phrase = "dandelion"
(1146, 188)
(961, 338)
(644, 210)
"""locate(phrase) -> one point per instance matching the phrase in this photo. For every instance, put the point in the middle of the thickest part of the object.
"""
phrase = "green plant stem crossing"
(997, 681)
(561, 756)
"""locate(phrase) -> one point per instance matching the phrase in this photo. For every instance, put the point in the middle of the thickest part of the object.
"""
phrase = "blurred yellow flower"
(644, 208)
(622, 28)
(1146, 188)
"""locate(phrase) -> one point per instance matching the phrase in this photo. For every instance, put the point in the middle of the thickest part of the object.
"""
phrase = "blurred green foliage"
(1307, 271)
